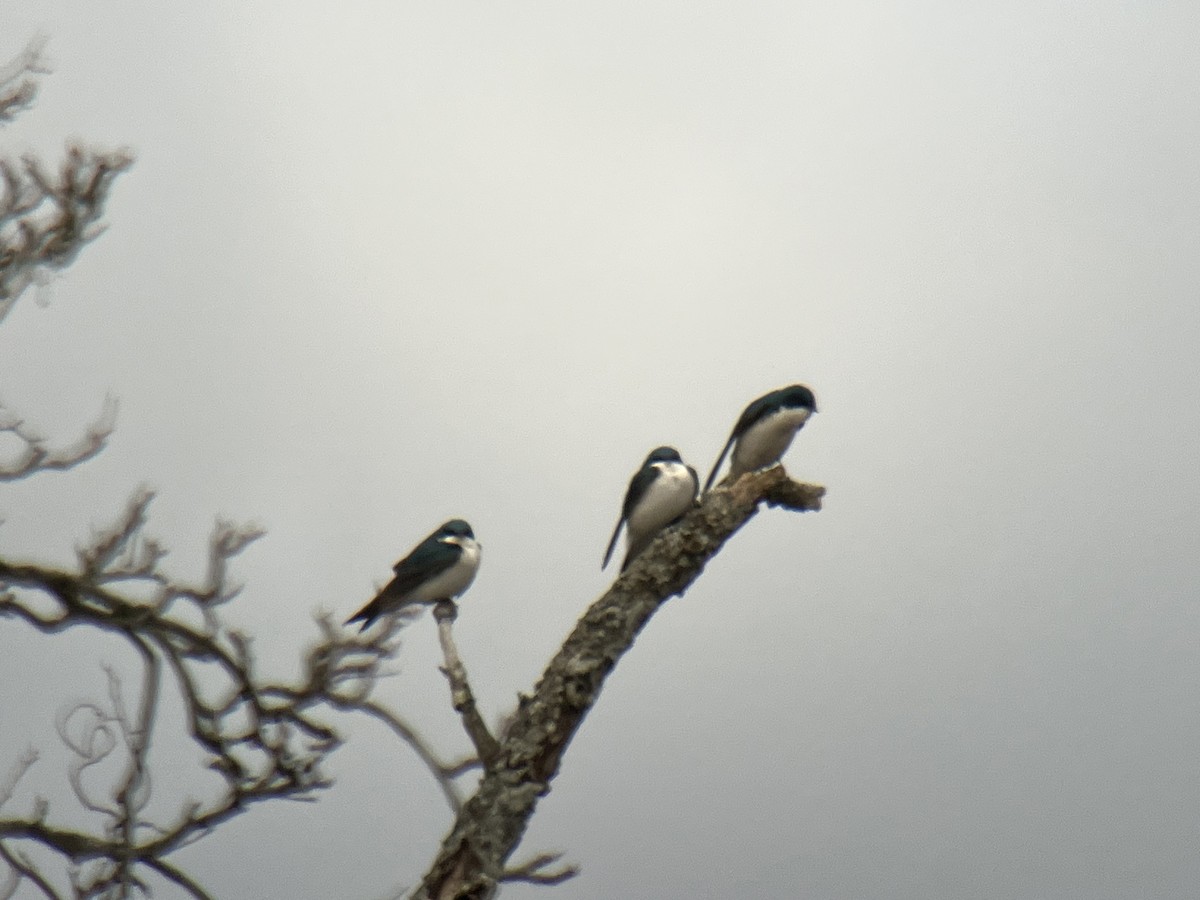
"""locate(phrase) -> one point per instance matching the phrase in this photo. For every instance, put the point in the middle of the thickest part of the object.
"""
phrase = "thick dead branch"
(471, 863)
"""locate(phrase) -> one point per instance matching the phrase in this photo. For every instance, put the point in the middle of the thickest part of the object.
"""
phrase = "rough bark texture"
(471, 862)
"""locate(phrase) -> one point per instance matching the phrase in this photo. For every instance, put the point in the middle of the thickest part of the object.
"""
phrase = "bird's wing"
(754, 412)
(431, 557)
(638, 485)
(712, 476)
(749, 416)
(376, 608)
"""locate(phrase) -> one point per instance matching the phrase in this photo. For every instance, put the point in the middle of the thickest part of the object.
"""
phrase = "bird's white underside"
(668, 497)
(455, 579)
(764, 443)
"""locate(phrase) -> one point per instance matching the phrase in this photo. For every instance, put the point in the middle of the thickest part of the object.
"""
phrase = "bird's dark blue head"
(456, 528)
(663, 454)
(796, 396)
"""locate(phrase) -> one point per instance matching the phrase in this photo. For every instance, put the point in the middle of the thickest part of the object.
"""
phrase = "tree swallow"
(661, 491)
(441, 567)
(765, 429)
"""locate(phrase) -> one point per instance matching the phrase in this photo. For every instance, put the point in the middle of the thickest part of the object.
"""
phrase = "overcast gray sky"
(381, 264)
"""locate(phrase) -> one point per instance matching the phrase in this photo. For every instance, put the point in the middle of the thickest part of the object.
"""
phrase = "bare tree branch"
(173, 874)
(266, 740)
(133, 794)
(471, 863)
(19, 867)
(45, 220)
(534, 871)
(18, 80)
(461, 696)
(19, 768)
(87, 731)
(341, 671)
(22, 868)
(75, 845)
(443, 772)
(34, 454)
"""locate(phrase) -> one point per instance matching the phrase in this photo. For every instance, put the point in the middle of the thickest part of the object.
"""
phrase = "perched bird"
(661, 491)
(765, 429)
(440, 568)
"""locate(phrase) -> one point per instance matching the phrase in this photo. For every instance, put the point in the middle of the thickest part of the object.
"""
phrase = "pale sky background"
(382, 264)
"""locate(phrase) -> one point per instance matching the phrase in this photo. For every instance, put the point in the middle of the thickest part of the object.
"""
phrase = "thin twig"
(533, 871)
(22, 868)
(46, 220)
(444, 773)
(461, 696)
(179, 877)
(17, 92)
(36, 455)
(16, 773)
